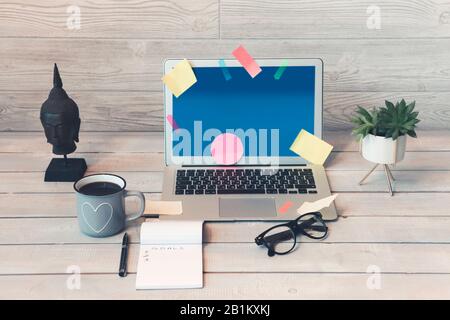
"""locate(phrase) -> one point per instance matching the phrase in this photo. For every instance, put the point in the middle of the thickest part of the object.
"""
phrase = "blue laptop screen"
(273, 109)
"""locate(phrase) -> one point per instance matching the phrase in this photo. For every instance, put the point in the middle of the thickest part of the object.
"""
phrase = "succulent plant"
(366, 122)
(399, 120)
(390, 121)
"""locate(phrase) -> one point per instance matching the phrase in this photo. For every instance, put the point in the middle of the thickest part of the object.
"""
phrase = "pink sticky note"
(227, 149)
(247, 61)
(172, 122)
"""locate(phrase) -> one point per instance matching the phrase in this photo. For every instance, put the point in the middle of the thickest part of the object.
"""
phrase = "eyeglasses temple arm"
(284, 235)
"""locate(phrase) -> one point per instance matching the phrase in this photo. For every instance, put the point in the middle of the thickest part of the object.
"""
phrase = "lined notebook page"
(171, 255)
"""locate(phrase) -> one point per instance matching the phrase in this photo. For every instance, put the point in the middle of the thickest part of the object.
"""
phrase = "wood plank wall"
(112, 65)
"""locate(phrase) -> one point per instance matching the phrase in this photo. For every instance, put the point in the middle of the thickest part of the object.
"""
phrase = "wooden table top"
(406, 237)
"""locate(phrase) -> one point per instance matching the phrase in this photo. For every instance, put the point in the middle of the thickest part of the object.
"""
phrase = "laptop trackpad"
(247, 207)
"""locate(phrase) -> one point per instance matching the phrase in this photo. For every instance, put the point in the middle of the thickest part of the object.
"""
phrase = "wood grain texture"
(141, 162)
(111, 19)
(263, 19)
(142, 181)
(99, 111)
(233, 286)
(340, 181)
(96, 162)
(433, 107)
(432, 140)
(406, 181)
(395, 65)
(153, 142)
(352, 229)
(91, 142)
(143, 111)
(112, 67)
(237, 257)
(350, 204)
(49, 205)
(405, 235)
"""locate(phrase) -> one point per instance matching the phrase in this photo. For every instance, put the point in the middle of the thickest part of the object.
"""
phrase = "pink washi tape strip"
(172, 122)
(247, 61)
(285, 207)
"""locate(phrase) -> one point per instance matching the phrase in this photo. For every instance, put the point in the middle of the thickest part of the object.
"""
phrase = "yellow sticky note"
(180, 79)
(311, 148)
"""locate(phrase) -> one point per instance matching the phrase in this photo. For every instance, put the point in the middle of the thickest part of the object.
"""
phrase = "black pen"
(124, 256)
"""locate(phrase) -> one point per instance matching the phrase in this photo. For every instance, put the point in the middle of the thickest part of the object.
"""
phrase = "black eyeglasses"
(282, 238)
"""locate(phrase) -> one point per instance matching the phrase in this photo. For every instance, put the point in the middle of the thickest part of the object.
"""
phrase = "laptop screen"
(266, 113)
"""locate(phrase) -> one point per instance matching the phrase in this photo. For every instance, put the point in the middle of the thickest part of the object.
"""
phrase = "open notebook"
(170, 256)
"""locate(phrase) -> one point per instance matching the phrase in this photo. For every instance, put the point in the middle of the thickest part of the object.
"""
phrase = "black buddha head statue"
(60, 118)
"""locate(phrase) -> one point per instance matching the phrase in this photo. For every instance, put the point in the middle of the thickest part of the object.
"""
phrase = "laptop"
(269, 182)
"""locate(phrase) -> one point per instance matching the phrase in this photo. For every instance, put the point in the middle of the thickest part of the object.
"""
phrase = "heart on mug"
(94, 217)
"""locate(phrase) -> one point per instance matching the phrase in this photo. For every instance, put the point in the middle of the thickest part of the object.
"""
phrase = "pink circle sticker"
(227, 149)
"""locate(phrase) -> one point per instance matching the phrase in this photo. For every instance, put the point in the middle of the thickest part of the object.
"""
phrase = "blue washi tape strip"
(280, 70)
(225, 71)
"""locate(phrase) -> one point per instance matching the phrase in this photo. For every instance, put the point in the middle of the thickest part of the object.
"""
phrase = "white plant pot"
(383, 150)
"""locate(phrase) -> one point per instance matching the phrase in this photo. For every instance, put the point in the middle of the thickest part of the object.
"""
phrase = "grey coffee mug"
(101, 204)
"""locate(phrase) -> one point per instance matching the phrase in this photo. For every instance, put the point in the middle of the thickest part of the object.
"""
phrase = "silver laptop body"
(291, 180)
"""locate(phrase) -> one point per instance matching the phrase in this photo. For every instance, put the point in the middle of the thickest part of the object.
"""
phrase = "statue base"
(65, 170)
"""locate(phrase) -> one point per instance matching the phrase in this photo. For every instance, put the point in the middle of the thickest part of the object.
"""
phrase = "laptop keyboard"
(244, 181)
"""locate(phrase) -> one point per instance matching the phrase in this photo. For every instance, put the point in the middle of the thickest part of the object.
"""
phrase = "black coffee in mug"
(99, 189)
